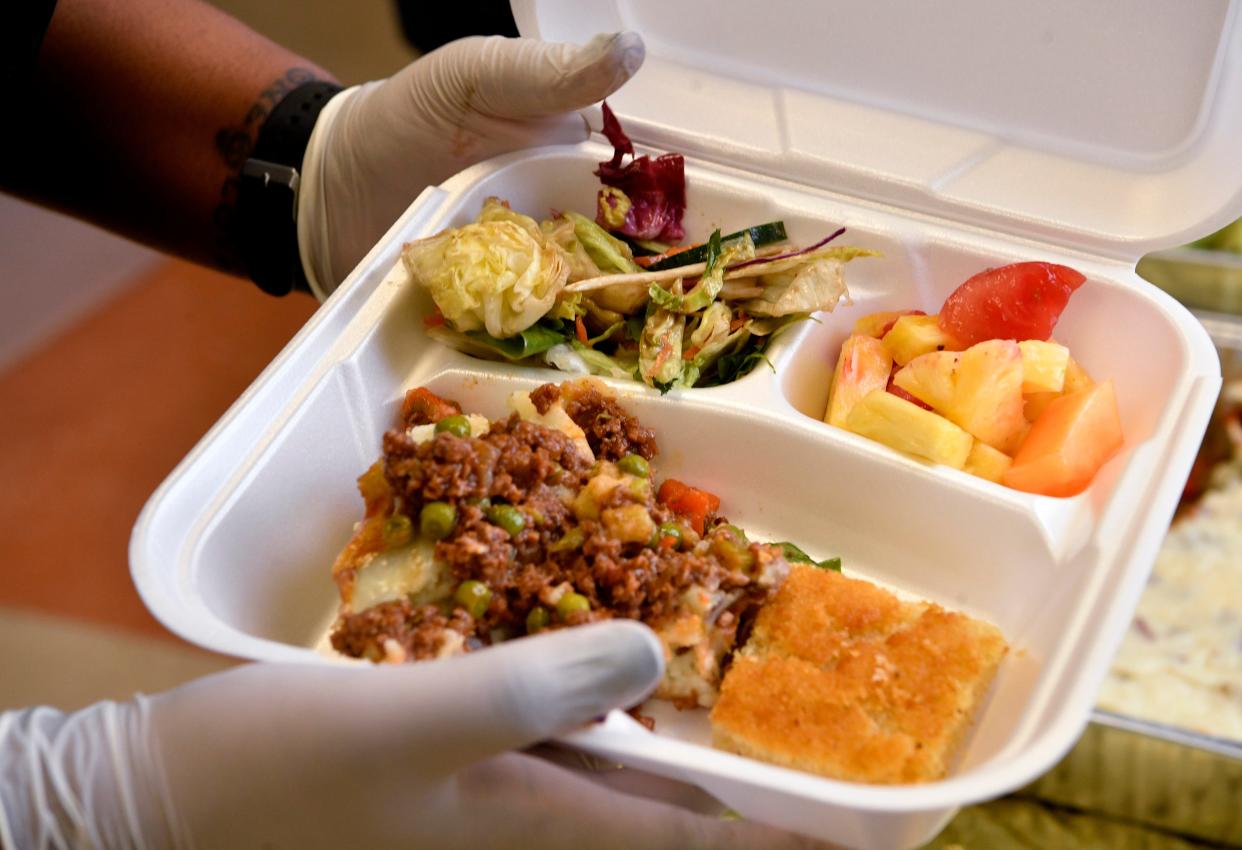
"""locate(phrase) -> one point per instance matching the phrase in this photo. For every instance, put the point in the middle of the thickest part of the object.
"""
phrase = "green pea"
(507, 517)
(572, 539)
(571, 603)
(397, 531)
(537, 619)
(634, 465)
(474, 596)
(667, 529)
(639, 488)
(436, 520)
(458, 426)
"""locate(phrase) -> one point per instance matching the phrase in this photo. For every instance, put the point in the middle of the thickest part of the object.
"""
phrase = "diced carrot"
(690, 502)
(368, 535)
(580, 330)
(375, 490)
(422, 407)
(1069, 442)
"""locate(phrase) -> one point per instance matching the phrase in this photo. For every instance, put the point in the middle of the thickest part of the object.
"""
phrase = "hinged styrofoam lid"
(1114, 128)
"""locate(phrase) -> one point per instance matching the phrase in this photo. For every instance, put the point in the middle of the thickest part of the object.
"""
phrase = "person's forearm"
(141, 115)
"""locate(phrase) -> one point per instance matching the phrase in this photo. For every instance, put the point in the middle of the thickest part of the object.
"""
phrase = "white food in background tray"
(1181, 661)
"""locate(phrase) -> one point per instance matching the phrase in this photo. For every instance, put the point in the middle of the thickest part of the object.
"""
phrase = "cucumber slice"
(760, 234)
(645, 247)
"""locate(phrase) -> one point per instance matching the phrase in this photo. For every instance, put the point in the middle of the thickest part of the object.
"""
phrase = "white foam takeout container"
(1049, 132)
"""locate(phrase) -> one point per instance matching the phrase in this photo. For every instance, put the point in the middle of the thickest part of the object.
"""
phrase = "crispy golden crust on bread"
(843, 679)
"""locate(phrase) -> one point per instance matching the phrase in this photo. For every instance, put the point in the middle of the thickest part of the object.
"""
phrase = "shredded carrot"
(647, 262)
(580, 330)
(679, 248)
(434, 320)
(661, 358)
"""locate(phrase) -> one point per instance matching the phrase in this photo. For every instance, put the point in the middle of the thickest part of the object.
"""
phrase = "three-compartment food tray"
(234, 551)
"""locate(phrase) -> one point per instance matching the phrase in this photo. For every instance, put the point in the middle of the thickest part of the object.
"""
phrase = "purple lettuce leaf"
(655, 190)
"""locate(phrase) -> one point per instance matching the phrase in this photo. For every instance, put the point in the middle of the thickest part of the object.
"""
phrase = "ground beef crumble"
(611, 432)
(540, 472)
(418, 630)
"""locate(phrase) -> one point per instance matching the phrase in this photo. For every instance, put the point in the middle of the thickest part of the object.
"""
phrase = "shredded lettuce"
(494, 210)
(795, 555)
(561, 232)
(817, 285)
(763, 266)
(708, 339)
(599, 363)
(659, 348)
(711, 281)
(738, 362)
(499, 274)
(536, 339)
(609, 253)
(611, 256)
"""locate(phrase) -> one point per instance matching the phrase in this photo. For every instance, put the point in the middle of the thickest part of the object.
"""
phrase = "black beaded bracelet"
(267, 196)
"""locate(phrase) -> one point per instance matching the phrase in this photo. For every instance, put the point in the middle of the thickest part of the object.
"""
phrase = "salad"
(617, 295)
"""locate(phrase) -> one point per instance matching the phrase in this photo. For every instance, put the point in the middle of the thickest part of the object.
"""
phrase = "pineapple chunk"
(987, 400)
(878, 324)
(930, 378)
(905, 426)
(979, 389)
(986, 462)
(1043, 366)
(915, 335)
(1076, 378)
(863, 365)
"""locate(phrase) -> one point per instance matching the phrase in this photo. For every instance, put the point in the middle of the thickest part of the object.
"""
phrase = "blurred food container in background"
(1165, 749)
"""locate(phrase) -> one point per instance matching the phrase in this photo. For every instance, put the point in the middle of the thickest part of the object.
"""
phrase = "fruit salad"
(981, 386)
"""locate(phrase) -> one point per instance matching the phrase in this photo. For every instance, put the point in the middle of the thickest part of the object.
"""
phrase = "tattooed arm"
(140, 115)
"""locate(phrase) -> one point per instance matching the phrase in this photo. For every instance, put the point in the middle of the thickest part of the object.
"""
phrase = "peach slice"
(863, 365)
(1068, 443)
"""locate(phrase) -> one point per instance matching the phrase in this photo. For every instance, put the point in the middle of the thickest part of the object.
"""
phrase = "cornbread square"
(843, 679)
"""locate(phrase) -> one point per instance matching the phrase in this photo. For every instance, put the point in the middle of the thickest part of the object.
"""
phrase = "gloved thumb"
(272, 721)
(523, 78)
(534, 688)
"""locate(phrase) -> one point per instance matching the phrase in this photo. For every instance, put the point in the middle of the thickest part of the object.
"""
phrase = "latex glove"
(376, 146)
(336, 757)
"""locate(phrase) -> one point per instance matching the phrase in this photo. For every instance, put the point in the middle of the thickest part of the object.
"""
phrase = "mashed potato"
(1181, 661)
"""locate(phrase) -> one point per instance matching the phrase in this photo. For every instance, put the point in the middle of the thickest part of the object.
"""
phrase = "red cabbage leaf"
(644, 199)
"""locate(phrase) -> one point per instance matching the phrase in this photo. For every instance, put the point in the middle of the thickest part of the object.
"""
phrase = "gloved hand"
(306, 756)
(376, 146)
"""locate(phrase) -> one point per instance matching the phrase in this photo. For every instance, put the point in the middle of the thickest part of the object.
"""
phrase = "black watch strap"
(267, 197)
